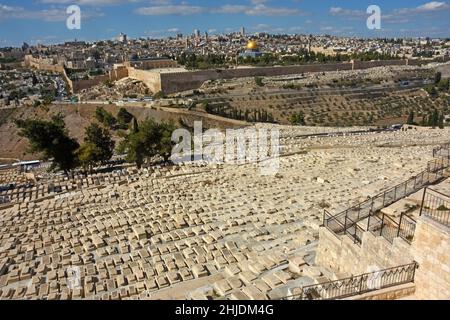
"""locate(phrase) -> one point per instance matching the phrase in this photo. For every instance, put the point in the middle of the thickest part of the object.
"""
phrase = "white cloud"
(231, 9)
(401, 15)
(89, 2)
(263, 10)
(432, 6)
(49, 15)
(257, 9)
(183, 10)
(338, 11)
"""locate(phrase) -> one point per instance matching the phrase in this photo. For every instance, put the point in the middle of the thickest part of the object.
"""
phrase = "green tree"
(51, 139)
(135, 127)
(259, 82)
(87, 155)
(150, 139)
(101, 139)
(435, 118)
(441, 121)
(105, 117)
(410, 118)
(437, 77)
(124, 118)
(298, 119)
(424, 120)
(431, 90)
(158, 95)
(444, 85)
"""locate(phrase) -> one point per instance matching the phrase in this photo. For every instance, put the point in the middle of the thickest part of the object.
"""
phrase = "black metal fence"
(436, 205)
(390, 229)
(442, 151)
(346, 222)
(357, 285)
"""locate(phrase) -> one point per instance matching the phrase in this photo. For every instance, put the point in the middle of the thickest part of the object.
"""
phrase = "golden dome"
(252, 45)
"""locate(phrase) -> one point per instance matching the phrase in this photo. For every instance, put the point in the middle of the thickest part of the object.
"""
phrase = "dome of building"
(252, 45)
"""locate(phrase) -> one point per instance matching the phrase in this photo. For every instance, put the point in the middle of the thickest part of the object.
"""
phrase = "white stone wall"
(341, 255)
(431, 249)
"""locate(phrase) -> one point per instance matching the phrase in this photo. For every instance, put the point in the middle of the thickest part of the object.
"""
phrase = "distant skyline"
(44, 21)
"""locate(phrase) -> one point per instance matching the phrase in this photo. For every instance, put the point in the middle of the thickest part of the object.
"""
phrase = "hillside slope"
(78, 117)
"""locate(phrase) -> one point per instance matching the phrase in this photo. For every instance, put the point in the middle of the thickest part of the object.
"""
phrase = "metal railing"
(354, 231)
(406, 228)
(436, 205)
(357, 285)
(390, 229)
(442, 151)
(348, 219)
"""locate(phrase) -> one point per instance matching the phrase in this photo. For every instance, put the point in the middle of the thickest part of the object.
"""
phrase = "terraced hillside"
(328, 100)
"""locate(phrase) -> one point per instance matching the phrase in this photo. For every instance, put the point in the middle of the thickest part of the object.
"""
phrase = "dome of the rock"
(252, 45)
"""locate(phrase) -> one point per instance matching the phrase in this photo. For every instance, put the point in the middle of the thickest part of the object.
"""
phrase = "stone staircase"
(349, 221)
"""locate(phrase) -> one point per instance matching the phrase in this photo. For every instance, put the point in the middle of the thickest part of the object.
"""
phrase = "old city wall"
(113, 75)
(359, 65)
(75, 85)
(39, 64)
(431, 250)
(151, 79)
(341, 255)
(42, 65)
(175, 82)
(183, 81)
(79, 85)
(118, 73)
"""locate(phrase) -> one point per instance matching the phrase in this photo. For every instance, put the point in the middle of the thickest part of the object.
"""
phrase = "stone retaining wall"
(431, 249)
(393, 293)
(341, 255)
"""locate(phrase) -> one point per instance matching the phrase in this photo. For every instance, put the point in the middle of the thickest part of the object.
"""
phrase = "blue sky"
(44, 21)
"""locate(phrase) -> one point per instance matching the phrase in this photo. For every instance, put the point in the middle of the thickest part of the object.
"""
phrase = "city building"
(252, 50)
(122, 38)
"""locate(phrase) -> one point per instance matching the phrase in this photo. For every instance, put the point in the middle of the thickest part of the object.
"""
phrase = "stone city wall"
(359, 65)
(176, 82)
(152, 64)
(341, 255)
(113, 75)
(431, 250)
(41, 64)
(182, 81)
(151, 79)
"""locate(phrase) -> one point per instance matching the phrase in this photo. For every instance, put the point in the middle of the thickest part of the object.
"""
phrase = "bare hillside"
(78, 117)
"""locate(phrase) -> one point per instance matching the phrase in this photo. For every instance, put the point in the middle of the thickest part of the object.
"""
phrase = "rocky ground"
(122, 89)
